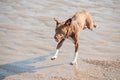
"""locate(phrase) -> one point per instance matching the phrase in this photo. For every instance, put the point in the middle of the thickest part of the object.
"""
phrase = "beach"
(27, 29)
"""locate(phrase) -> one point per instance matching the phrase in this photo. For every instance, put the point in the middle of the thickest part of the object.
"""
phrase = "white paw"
(73, 63)
(54, 57)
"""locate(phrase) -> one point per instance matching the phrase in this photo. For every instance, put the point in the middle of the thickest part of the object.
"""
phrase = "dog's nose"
(55, 37)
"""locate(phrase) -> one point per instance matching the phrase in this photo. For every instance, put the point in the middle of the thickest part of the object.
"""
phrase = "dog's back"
(83, 20)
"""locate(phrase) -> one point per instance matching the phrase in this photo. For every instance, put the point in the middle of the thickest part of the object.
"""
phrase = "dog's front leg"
(57, 49)
(76, 53)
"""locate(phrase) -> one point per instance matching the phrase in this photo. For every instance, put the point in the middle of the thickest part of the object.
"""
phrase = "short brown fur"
(72, 27)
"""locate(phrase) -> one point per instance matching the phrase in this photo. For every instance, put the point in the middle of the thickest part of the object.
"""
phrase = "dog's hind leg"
(57, 49)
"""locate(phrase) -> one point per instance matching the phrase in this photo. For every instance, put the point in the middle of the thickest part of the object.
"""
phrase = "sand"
(27, 43)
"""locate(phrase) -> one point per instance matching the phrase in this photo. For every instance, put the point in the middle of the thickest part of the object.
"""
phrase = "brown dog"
(71, 28)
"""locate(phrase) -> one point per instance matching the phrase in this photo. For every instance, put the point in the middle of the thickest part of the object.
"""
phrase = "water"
(27, 29)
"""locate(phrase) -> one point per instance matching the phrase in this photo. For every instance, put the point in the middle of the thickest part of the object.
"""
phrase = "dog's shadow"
(23, 66)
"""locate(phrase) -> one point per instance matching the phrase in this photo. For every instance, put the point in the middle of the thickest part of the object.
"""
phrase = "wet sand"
(27, 44)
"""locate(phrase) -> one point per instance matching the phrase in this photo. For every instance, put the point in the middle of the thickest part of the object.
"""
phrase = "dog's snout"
(55, 37)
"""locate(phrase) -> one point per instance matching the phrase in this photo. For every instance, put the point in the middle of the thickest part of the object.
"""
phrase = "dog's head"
(61, 29)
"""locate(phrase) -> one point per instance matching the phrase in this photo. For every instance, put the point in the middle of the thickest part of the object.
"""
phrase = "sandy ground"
(27, 44)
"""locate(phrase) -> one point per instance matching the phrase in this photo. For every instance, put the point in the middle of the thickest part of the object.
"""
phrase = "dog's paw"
(54, 57)
(73, 63)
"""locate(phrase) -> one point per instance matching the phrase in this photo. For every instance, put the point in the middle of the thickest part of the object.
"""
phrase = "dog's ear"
(68, 22)
(57, 22)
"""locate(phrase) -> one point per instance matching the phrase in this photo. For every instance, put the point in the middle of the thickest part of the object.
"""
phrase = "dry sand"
(27, 44)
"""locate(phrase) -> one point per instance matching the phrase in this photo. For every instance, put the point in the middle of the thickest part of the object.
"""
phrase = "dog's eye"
(61, 34)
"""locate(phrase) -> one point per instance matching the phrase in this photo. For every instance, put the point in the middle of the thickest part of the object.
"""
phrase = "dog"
(71, 28)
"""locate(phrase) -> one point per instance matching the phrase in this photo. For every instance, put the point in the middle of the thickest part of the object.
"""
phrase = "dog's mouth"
(57, 40)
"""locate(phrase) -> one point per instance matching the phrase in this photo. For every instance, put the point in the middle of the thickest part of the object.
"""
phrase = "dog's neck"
(69, 32)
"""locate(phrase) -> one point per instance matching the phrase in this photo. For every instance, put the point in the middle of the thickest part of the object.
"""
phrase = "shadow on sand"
(23, 66)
